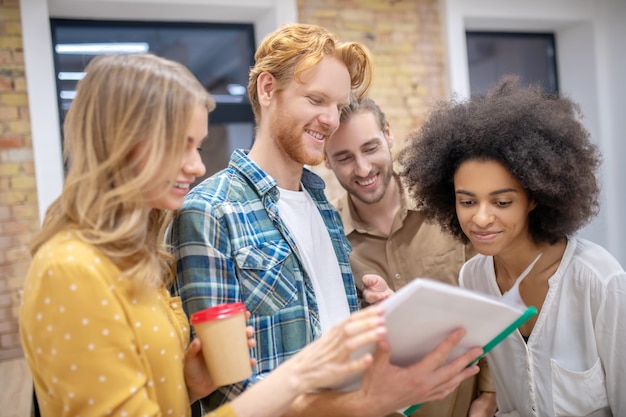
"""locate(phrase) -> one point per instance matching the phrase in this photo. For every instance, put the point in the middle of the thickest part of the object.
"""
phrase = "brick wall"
(18, 199)
(405, 38)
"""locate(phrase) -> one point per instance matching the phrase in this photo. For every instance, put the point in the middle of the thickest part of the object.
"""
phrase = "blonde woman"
(101, 334)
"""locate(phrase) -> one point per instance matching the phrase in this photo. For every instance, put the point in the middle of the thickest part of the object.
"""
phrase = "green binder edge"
(526, 315)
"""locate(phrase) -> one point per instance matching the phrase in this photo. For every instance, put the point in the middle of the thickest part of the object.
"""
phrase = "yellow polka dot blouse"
(96, 348)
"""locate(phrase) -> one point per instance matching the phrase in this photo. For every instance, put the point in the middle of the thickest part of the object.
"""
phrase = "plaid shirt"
(231, 245)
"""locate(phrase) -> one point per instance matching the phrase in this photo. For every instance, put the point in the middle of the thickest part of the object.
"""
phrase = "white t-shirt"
(304, 221)
(574, 362)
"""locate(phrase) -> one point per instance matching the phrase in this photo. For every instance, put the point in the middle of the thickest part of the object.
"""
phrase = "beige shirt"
(414, 248)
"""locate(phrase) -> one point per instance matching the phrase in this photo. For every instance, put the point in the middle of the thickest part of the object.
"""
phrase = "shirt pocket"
(578, 393)
(266, 280)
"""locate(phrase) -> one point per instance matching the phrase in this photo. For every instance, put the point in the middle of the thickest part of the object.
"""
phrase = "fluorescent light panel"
(227, 98)
(101, 48)
(236, 89)
(68, 94)
(71, 75)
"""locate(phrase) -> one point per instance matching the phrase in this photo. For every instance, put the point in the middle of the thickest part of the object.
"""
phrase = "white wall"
(591, 61)
(266, 15)
(42, 102)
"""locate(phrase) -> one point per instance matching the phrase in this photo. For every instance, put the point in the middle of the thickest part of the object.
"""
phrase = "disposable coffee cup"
(222, 330)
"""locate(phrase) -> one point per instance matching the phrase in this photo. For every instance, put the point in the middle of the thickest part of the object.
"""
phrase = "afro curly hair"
(537, 137)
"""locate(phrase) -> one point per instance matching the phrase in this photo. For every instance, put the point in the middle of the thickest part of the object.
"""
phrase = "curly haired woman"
(514, 173)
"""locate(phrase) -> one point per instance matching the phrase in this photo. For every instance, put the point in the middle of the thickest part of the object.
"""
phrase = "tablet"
(421, 314)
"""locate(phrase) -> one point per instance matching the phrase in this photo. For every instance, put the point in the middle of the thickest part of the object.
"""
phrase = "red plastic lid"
(217, 312)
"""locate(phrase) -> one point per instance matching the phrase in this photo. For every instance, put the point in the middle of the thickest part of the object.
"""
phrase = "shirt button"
(397, 276)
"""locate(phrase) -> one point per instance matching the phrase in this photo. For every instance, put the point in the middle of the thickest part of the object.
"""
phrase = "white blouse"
(574, 363)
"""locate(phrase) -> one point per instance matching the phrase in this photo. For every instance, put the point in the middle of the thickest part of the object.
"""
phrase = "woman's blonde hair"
(295, 47)
(124, 137)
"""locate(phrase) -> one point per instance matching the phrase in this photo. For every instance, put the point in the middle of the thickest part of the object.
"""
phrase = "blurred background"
(423, 50)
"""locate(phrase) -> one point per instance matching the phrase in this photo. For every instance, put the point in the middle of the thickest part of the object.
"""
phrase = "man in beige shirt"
(390, 237)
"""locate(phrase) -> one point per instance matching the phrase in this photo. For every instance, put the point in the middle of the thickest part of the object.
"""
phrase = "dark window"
(492, 55)
(220, 55)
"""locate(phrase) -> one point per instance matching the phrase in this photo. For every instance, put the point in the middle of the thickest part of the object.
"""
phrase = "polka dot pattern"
(94, 348)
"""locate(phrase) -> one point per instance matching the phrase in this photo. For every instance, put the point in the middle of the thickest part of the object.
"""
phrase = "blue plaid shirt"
(231, 245)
